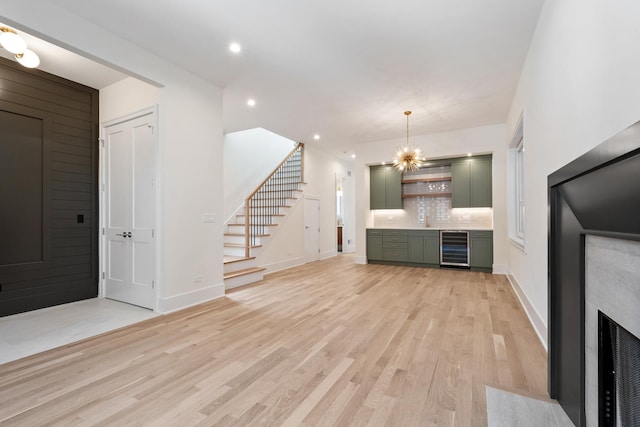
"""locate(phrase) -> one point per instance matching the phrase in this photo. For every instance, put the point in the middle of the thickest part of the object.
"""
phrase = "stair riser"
(239, 240)
(239, 229)
(240, 251)
(234, 251)
(270, 210)
(243, 280)
(230, 267)
(274, 220)
(269, 204)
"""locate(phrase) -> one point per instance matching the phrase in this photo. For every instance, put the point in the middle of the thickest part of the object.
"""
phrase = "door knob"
(127, 234)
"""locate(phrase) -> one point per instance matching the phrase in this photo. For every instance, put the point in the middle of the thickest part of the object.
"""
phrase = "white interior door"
(130, 211)
(312, 229)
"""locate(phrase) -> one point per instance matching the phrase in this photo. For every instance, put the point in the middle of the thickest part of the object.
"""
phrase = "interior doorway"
(129, 209)
(340, 186)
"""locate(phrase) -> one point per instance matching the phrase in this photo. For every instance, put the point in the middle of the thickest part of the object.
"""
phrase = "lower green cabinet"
(394, 245)
(424, 246)
(481, 250)
(374, 244)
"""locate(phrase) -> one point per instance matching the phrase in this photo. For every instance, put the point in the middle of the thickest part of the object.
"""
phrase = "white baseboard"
(328, 254)
(535, 319)
(283, 265)
(189, 299)
(361, 259)
(500, 269)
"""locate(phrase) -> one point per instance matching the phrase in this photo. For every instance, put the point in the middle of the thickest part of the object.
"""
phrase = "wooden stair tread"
(231, 259)
(244, 272)
(238, 245)
(261, 215)
(261, 225)
(276, 191)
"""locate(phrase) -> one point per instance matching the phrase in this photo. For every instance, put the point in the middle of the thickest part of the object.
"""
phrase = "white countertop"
(432, 228)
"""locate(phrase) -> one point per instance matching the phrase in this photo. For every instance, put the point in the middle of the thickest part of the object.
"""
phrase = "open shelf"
(416, 180)
(405, 196)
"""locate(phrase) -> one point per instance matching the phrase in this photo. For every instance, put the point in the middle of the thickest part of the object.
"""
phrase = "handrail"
(247, 203)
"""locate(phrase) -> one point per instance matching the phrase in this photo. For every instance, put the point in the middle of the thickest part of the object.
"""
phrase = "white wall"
(486, 139)
(579, 87)
(125, 97)
(190, 149)
(249, 157)
(286, 248)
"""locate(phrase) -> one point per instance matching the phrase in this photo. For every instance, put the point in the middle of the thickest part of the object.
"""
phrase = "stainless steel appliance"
(454, 248)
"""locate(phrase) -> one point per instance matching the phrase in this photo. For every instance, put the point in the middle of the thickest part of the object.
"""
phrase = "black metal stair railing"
(275, 191)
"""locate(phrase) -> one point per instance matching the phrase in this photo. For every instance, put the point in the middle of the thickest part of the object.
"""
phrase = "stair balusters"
(275, 191)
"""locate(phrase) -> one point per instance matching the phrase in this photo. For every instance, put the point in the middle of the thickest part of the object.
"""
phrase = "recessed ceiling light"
(468, 154)
(316, 137)
(235, 47)
(251, 103)
(353, 156)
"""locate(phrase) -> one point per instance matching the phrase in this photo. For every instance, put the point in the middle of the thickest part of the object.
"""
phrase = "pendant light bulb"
(28, 59)
(11, 41)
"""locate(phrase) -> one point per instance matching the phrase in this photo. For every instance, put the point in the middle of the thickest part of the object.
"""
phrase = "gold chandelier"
(408, 158)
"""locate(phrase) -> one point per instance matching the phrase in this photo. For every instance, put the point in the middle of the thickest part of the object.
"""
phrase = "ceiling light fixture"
(408, 158)
(235, 47)
(316, 137)
(13, 43)
(251, 103)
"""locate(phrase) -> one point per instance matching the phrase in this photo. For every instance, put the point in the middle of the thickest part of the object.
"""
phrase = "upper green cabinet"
(471, 182)
(385, 184)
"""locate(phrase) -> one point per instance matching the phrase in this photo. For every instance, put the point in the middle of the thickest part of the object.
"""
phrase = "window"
(519, 199)
(515, 189)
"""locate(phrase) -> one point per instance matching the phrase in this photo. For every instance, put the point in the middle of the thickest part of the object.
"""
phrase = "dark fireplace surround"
(597, 194)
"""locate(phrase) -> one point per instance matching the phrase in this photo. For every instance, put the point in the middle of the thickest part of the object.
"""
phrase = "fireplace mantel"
(596, 194)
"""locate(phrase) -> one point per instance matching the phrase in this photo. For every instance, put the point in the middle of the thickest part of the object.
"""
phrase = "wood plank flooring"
(330, 343)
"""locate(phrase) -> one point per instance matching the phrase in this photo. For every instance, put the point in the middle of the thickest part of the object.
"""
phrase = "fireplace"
(619, 375)
(612, 323)
(594, 266)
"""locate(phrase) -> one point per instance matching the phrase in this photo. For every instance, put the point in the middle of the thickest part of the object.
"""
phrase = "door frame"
(153, 111)
(307, 257)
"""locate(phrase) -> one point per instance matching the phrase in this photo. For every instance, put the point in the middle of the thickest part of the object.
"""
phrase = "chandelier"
(408, 158)
(14, 44)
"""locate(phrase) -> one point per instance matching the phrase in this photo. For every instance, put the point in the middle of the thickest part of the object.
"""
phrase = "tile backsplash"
(433, 212)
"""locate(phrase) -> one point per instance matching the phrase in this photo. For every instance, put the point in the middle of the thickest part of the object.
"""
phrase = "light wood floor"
(329, 343)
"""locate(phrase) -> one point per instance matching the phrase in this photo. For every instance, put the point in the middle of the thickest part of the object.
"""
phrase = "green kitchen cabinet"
(385, 185)
(394, 245)
(471, 182)
(424, 246)
(481, 250)
(374, 244)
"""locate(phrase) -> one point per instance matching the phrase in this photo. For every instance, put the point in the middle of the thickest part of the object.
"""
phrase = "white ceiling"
(345, 69)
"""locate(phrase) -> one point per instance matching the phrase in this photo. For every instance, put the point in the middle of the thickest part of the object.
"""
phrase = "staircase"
(258, 218)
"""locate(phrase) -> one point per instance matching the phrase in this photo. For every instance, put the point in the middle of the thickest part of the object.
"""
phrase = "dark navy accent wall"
(48, 178)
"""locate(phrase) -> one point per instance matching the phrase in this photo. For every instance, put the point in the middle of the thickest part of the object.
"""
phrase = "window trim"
(516, 189)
